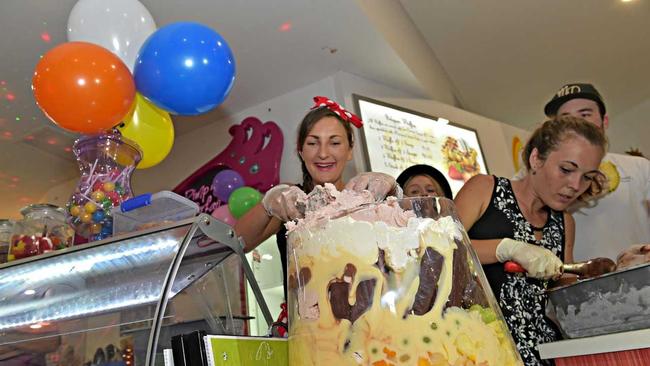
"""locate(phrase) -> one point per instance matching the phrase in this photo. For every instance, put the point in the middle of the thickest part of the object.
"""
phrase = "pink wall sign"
(255, 152)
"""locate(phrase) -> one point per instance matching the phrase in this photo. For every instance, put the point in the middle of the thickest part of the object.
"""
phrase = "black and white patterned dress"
(521, 298)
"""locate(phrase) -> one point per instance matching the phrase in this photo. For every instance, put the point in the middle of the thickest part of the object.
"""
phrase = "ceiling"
(507, 58)
(504, 58)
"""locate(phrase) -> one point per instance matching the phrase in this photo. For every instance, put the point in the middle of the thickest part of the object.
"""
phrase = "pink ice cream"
(326, 202)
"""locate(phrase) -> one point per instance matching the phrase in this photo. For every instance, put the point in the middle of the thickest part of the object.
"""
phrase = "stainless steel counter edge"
(615, 342)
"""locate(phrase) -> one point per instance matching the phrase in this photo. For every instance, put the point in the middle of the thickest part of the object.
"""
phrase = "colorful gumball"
(98, 186)
(109, 187)
(107, 228)
(107, 231)
(98, 215)
(97, 195)
(95, 228)
(107, 204)
(75, 210)
(90, 207)
(114, 197)
(86, 218)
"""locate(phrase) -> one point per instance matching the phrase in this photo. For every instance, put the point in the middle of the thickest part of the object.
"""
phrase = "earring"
(534, 172)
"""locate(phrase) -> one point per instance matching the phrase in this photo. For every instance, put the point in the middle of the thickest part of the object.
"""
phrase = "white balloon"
(120, 26)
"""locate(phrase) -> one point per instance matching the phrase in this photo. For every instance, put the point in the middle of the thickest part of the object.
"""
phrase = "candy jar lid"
(6, 224)
(111, 145)
(38, 210)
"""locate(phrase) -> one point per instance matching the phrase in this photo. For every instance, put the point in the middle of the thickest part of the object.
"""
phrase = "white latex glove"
(379, 184)
(537, 261)
(284, 202)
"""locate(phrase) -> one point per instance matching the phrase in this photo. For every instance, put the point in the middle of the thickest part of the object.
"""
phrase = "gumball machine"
(43, 229)
(106, 163)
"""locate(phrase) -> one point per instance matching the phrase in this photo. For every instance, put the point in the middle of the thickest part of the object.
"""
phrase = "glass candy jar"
(43, 229)
(6, 227)
(106, 163)
(392, 283)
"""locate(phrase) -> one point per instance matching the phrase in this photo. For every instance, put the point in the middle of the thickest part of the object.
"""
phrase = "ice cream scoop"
(591, 268)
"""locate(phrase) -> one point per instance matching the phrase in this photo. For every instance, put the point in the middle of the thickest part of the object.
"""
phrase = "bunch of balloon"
(182, 68)
(122, 26)
(228, 186)
(86, 86)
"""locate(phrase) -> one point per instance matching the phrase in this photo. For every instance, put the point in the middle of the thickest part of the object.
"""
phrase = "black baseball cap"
(574, 91)
(423, 169)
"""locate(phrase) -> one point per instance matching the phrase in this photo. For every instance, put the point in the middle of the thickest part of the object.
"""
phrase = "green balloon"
(243, 199)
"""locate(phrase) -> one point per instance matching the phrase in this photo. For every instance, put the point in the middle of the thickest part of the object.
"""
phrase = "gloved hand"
(537, 261)
(284, 202)
(379, 184)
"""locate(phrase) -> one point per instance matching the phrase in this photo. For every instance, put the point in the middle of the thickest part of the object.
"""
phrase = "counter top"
(599, 344)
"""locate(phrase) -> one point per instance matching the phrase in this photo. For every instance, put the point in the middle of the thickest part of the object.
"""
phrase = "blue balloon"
(185, 68)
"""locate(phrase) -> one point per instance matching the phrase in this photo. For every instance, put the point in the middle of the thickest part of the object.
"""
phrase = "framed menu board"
(396, 138)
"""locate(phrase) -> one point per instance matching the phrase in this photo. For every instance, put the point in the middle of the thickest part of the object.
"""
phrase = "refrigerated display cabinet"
(122, 299)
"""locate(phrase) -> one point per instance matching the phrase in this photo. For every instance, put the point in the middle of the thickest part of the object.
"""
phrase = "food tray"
(611, 303)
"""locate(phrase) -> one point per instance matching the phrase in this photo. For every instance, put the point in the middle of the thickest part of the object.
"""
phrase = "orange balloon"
(83, 87)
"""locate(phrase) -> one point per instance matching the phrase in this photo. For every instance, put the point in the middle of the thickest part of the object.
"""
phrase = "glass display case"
(122, 299)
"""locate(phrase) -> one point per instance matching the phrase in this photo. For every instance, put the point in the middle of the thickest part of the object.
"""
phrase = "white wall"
(510, 133)
(631, 129)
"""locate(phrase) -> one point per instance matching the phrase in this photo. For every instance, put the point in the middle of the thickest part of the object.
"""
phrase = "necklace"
(535, 228)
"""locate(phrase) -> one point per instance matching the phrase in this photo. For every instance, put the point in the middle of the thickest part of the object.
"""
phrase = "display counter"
(122, 299)
(617, 349)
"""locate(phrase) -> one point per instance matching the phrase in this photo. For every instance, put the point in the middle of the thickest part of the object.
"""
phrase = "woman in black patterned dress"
(525, 221)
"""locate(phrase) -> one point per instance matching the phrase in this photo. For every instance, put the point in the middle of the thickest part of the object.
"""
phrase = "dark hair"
(99, 357)
(550, 134)
(305, 127)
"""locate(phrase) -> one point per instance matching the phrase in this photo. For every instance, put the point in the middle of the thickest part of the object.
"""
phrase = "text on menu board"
(396, 139)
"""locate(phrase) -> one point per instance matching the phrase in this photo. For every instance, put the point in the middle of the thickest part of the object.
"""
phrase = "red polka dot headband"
(336, 108)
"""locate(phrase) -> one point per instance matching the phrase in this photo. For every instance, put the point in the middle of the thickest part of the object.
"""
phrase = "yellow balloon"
(516, 152)
(152, 129)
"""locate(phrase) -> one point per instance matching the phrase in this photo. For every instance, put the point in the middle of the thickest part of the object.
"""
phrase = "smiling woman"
(324, 146)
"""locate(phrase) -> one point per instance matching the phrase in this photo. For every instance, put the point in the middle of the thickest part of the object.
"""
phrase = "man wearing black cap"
(613, 222)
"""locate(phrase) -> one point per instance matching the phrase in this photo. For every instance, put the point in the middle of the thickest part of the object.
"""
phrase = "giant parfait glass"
(392, 284)
(106, 163)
